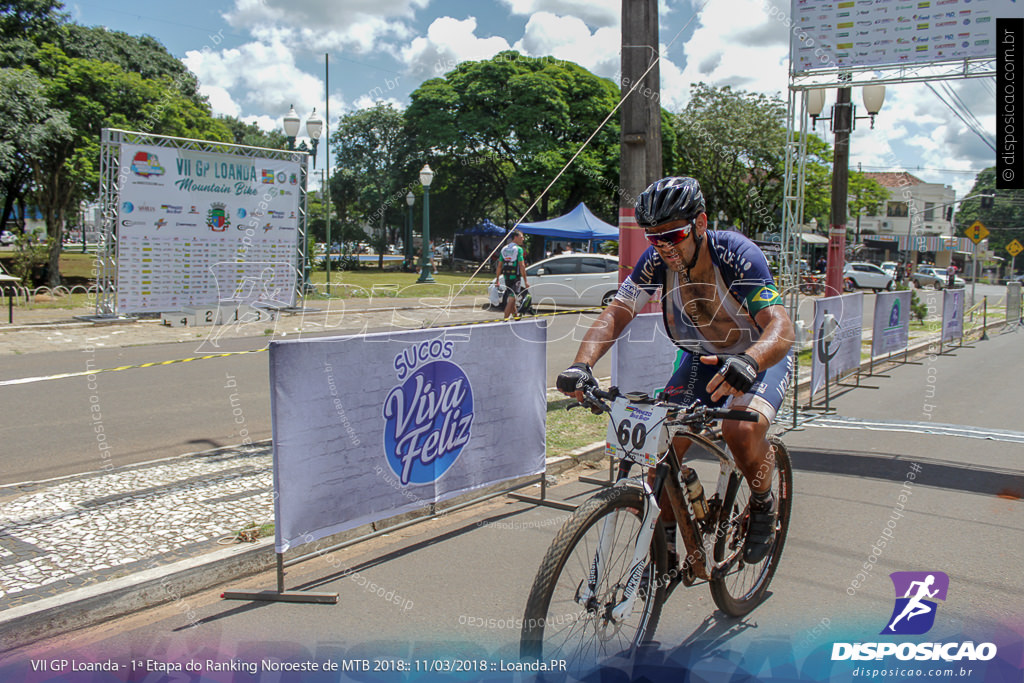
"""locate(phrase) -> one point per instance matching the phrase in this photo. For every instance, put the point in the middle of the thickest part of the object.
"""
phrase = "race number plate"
(637, 432)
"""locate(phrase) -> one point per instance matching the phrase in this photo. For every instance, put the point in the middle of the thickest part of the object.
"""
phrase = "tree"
(1005, 220)
(371, 148)
(27, 118)
(252, 135)
(864, 193)
(733, 142)
(94, 95)
(24, 24)
(498, 132)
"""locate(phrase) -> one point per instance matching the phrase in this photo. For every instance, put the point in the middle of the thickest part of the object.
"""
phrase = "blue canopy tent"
(579, 225)
(474, 244)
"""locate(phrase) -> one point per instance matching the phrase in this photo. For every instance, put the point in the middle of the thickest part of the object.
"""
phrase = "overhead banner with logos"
(838, 327)
(891, 328)
(952, 314)
(373, 426)
(195, 228)
(827, 34)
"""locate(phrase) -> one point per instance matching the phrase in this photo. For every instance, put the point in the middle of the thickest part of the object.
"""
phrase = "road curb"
(173, 583)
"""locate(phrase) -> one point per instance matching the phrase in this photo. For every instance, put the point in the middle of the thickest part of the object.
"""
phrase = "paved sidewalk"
(43, 329)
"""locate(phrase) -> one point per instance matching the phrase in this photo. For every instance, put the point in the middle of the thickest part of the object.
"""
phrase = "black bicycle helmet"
(669, 199)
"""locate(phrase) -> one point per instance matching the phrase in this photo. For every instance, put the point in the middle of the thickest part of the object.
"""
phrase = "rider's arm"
(776, 337)
(522, 270)
(602, 334)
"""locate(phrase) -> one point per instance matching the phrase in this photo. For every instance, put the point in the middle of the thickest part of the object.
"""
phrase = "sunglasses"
(672, 237)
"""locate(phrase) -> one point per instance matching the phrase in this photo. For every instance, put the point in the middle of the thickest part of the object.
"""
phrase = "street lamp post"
(410, 199)
(843, 119)
(314, 127)
(426, 177)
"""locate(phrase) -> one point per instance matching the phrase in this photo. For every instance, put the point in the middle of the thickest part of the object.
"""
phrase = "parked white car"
(574, 280)
(866, 276)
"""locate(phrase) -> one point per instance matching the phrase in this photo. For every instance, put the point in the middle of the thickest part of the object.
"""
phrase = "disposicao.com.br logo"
(913, 613)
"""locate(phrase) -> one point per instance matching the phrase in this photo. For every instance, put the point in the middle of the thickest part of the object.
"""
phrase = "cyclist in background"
(722, 308)
(512, 266)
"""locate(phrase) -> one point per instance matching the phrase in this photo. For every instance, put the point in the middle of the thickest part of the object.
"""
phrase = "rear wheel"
(560, 622)
(849, 285)
(743, 586)
(607, 299)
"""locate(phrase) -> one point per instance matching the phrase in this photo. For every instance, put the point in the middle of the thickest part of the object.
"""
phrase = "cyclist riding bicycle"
(721, 307)
(512, 267)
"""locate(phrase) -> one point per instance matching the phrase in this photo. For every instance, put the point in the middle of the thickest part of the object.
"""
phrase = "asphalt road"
(49, 428)
(453, 588)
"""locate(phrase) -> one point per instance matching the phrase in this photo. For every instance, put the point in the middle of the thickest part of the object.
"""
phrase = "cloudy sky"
(254, 58)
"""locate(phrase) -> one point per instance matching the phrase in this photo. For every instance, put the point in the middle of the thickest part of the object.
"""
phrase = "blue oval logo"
(428, 420)
(127, 207)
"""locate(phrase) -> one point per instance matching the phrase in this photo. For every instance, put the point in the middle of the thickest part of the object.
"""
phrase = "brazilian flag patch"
(766, 296)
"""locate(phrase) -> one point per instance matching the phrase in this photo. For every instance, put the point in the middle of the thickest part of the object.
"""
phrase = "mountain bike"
(601, 586)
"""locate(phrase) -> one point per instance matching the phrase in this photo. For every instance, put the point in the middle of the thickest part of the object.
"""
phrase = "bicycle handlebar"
(695, 413)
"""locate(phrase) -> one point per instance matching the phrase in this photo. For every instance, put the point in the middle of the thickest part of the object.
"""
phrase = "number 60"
(638, 435)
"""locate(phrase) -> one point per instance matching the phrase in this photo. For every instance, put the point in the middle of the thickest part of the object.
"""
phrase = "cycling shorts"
(690, 381)
(514, 288)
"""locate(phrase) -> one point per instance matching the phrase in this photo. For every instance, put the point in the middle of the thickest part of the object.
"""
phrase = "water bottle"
(696, 494)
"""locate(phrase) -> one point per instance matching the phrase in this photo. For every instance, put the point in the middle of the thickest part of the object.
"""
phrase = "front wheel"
(743, 586)
(561, 621)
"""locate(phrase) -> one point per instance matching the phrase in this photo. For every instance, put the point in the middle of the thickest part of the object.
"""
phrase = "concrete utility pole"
(842, 125)
(640, 156)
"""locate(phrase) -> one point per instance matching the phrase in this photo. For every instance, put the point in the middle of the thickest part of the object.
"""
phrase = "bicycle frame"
(668, 481)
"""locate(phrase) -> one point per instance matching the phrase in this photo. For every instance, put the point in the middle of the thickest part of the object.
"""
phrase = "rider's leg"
(749, 445)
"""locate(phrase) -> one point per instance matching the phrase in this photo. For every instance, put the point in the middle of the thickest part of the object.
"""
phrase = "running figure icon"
(916, 596)
(915, 607)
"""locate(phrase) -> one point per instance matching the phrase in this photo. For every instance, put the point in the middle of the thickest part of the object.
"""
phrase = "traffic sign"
(1014, 248)
(977, 232)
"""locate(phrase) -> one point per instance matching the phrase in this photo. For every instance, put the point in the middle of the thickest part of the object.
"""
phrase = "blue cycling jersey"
(743, 286)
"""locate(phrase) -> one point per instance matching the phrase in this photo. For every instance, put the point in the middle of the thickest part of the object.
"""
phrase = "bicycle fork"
(641, 550)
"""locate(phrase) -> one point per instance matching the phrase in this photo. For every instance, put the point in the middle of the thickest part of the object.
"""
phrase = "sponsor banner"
(891, 328)
(1013, 301)
(847, 33)
(643, 359)
(838, 322)
(952, 314)
(373, 426)
(183, 214)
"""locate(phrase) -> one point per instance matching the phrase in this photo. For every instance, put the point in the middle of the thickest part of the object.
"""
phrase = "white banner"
(1013, 301)
(644, 358)
(838, 341)
(369, 427)
(194, 228)
(952, 314)
(891, 328)
(845, 33)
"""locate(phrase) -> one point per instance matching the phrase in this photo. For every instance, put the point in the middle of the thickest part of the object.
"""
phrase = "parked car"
(890, 267)
(6, 238)
(574, 280)
(866, 276)
(930, 276)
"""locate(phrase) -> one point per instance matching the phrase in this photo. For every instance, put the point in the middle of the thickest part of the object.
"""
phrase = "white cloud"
(448, 42)
(570, 39)
(600, 13)
(318, 25)
(220, 100)
(737, 44)
(262, 76)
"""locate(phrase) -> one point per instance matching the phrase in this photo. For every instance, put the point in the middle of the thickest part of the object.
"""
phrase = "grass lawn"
(367, 282)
